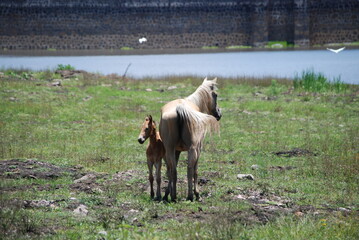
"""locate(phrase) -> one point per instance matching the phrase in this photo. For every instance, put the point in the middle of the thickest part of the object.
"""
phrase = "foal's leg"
(150, 177)
(158, 166)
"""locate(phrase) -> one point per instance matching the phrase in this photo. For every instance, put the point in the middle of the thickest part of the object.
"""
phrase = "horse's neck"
(196, 99)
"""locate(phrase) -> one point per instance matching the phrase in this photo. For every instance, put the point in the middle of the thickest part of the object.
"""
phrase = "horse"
(155, 152)
(183, 126)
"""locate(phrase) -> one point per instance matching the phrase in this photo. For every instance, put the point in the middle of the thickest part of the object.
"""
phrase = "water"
(230, 64)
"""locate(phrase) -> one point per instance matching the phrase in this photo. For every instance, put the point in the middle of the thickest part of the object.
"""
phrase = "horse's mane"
(197, 123)
(202, 97)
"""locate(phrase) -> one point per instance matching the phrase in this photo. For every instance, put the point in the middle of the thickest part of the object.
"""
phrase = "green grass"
(94, 121)
(210, 47)
(126, 48)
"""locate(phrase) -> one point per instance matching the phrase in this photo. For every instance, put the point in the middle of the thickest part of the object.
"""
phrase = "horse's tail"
(197, 123)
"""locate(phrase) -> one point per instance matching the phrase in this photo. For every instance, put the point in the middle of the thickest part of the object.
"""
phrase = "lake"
(227, 64)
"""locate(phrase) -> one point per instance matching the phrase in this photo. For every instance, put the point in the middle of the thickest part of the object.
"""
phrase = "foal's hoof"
(157, 199)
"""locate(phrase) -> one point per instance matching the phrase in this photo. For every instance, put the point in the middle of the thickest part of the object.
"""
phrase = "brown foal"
(155, 152)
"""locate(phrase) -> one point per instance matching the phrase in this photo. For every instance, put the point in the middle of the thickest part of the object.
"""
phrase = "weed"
(65, 67)
(317, 82)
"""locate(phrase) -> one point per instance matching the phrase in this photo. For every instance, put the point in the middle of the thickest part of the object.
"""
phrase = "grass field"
(71, 166)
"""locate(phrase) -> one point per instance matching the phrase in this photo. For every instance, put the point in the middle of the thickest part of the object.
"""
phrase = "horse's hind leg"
(158, 165)
(192, 162)
(196, 192)
(150, 177)
(172, 175)
(168, 188)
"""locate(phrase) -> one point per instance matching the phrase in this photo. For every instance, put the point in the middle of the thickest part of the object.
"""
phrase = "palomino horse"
(183, 126)
(155, 152)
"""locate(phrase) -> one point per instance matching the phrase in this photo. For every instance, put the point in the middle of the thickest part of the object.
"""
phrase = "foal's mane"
(202, 97)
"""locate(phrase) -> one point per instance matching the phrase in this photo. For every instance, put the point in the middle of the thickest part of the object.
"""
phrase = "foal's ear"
(150, 118)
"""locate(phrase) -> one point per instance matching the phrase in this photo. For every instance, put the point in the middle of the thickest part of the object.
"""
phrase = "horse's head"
(147, 129)
(213, 108)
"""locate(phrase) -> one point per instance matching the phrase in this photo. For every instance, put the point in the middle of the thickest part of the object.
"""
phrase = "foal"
(155, 152)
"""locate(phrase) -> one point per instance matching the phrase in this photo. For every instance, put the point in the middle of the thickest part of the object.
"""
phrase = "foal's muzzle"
(141, 140)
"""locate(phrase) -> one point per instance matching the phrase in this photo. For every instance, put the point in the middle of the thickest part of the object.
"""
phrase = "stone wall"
(111, 24)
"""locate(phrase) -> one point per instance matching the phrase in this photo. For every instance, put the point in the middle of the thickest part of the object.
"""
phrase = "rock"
(299, 214)
(148, 90)
(171, 87)
(245, 176)
(56, 83)
(277, 45)
(254, 167)
(86, 178)
(85, 99)
(241, 197)
(343, 209)
(247, 112)
(37, 203)
(81, 210)
(102, 233)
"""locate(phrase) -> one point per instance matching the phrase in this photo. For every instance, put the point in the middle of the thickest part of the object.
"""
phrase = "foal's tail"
(197, 123)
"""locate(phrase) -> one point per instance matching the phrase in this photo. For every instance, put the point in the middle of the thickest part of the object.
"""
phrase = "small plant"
(274, 88)
(65, 67)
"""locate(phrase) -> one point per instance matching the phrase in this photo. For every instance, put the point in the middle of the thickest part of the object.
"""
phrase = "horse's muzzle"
(217, 114)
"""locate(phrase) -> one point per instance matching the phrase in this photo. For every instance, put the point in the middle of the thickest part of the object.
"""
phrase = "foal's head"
(148, 129)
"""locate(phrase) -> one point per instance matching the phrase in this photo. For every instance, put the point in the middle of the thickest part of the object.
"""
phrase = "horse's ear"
(205, 79)
(215, 80)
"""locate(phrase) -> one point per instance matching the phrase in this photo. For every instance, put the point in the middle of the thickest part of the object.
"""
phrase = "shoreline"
(120, 52)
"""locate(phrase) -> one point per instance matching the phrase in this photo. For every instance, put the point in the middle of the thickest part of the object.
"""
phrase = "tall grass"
(316, 82)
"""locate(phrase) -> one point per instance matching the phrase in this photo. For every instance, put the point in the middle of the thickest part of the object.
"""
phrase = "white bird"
(336, 50)
(142, 40)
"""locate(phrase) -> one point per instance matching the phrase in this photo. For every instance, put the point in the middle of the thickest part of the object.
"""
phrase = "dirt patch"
(33, 169)
(295, 152)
